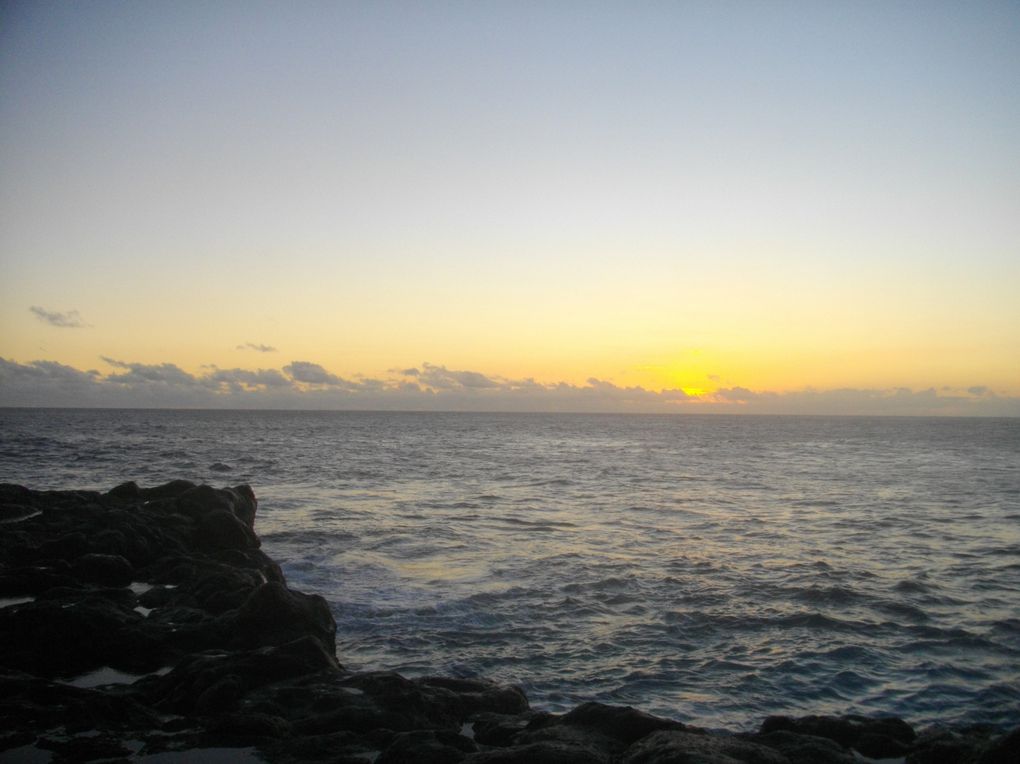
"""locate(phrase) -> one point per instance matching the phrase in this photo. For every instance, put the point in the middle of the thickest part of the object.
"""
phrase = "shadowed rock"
(674, 747)
(805, 749)
(877, 738)
(172, 578)
(273, 615)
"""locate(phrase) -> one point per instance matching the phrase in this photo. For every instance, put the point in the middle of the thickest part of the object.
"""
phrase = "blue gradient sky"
(776, 197)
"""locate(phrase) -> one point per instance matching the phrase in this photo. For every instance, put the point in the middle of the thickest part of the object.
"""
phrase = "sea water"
(714, 569)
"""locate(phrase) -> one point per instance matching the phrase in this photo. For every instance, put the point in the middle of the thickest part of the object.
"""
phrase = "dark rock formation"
(146, 620)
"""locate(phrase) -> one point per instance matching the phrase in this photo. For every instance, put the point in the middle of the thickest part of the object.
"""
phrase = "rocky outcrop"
(145, 620)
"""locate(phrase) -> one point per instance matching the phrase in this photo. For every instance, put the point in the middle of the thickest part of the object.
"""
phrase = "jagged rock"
(540, 753)
(586, 738)
(470, 696)
(676, 747)
(248, 728)
(85, 748)
(67, 547)
(274, 614)
(1004, 749)
(28, 702)
(220, 529)
(427, 747)
(805, 749)
(201, 500)
(104, 569)
(35, 579)
(51, 638)
(412, 704)
(501, 729)
(170, 490)
(254, 663)
(622, 723)
(215, 682)
(128, 490)
(341, 747)
(12, 512)
(876, 738)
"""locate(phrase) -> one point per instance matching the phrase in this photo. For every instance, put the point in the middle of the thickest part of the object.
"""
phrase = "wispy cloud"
(257, 348)
(308, 385)
(67, 320)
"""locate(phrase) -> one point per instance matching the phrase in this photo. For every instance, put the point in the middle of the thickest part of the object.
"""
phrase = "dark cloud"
(257, 348)
(45, 371)
(48, 383)
(978, 390)
(311, 373)
(67, 320)
(412, 372)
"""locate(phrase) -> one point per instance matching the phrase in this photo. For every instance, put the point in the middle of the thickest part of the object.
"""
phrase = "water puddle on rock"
(106, 675)
(12, 601)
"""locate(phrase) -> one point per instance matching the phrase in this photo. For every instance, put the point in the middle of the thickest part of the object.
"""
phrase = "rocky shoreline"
(146, 623)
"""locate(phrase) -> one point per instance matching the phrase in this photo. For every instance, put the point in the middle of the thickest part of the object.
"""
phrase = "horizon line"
(742, 414)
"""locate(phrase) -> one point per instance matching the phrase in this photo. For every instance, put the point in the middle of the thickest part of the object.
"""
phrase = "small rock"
(675, 747)
(104, 569)
(427, 747)
(539, 753)
(624, 723)
(274, 615)
(1002, 750)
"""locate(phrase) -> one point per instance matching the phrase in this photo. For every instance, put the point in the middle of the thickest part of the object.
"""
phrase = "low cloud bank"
(430, 387)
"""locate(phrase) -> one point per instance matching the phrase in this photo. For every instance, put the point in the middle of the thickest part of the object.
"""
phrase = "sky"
(751, 207)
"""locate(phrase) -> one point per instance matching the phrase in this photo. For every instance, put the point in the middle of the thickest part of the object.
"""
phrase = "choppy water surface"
(714, 569)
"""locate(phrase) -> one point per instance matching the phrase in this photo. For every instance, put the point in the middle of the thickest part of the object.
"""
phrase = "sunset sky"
(719, 206)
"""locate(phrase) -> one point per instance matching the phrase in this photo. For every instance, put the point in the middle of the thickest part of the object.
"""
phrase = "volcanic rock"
(149, 620)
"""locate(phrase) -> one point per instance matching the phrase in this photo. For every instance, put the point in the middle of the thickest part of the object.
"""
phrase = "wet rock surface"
(148, 620)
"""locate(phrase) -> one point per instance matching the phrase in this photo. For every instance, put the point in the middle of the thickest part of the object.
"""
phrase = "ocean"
(713, 569)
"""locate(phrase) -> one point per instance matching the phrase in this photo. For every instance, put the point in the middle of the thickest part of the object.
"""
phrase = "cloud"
(149, 374)
(46, 371)
(308, 385)
(441, 378)
(311, 374)
(741, 394)
(897, 401)
(257, 348)
(240, 380)
(67, 320)
(48, 383)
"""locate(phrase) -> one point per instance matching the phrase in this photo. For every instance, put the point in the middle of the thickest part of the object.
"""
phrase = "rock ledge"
(148, 621)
